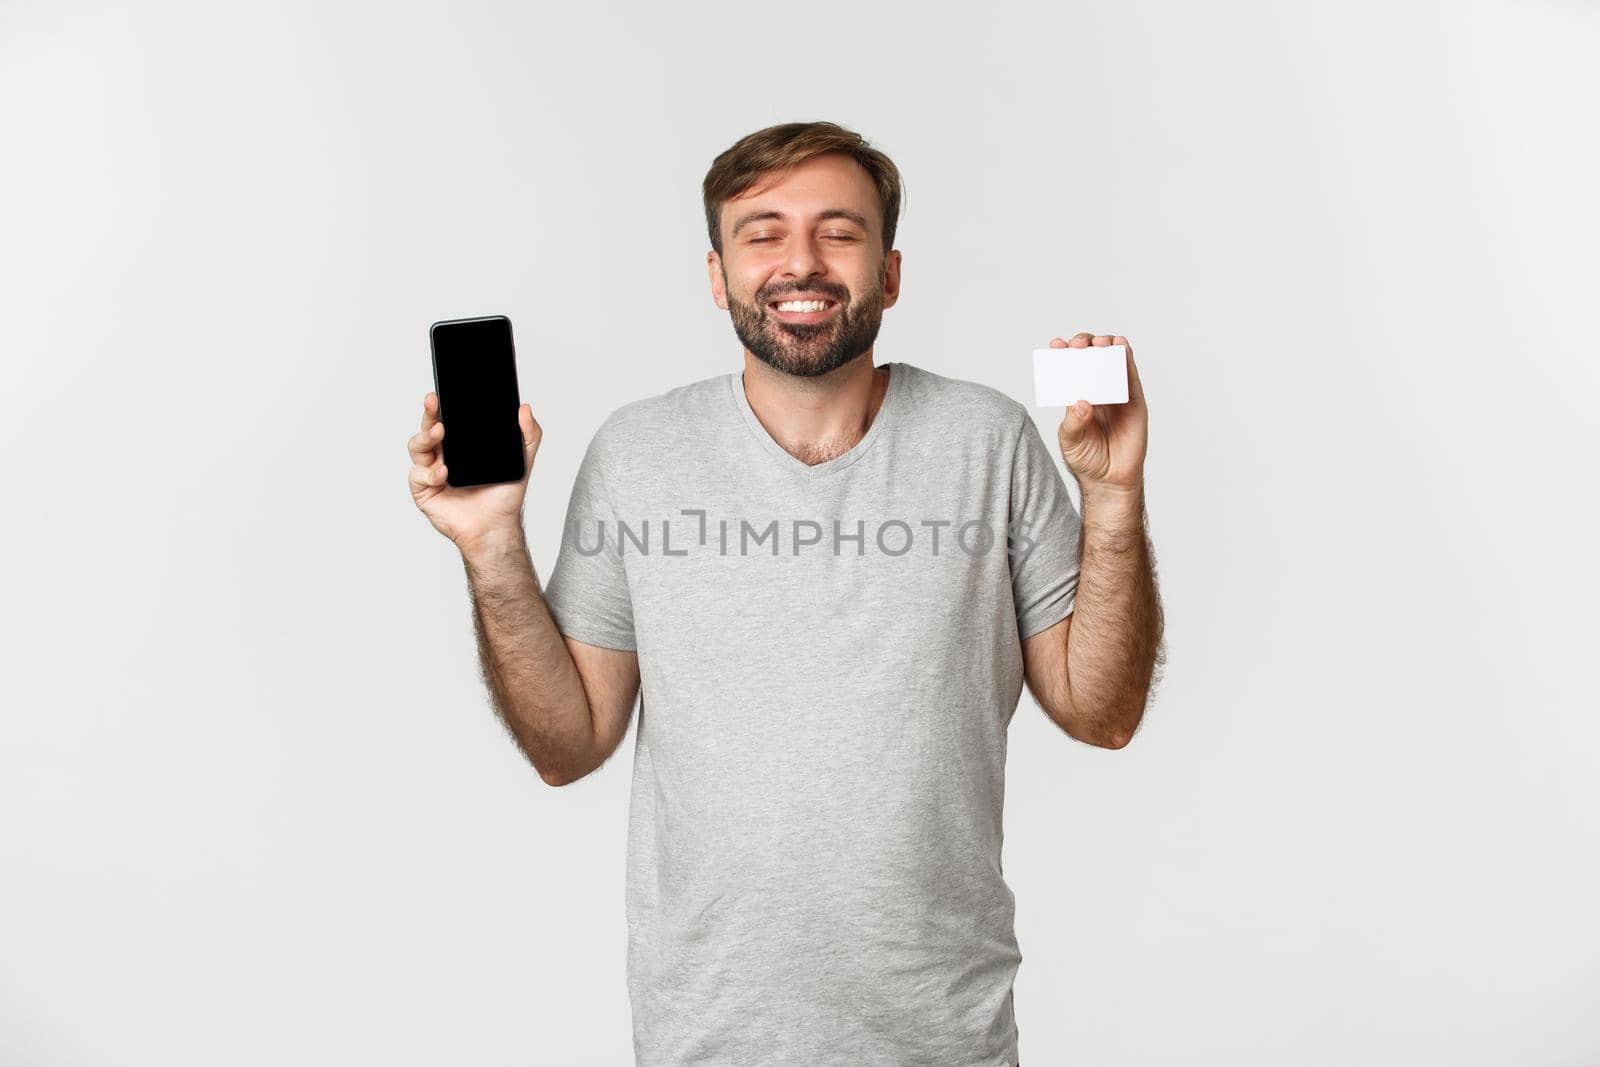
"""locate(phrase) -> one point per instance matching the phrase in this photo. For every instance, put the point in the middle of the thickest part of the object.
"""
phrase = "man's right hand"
(470, 514)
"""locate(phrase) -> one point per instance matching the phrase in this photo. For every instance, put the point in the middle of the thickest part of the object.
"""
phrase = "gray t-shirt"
(829, 658)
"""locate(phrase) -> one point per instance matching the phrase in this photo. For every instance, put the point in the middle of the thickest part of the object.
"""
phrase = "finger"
(1135, 387)
(1101, 341)
(1080, 340)
(430, 410)
(425, 477)
(424, 444)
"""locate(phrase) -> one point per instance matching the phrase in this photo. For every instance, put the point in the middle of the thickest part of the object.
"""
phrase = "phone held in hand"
(475, 377)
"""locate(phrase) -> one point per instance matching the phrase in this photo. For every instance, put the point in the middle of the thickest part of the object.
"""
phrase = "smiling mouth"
(803, 316)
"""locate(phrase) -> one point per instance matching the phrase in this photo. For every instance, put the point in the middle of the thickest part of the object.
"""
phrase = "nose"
(804, 257)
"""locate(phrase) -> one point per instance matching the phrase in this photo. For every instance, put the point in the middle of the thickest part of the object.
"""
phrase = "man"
(833, 580)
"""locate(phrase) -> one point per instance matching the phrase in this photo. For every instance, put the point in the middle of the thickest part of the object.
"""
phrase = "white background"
(254, 805)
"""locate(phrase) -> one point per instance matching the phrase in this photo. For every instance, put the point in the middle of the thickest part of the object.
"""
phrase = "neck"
(816, 419)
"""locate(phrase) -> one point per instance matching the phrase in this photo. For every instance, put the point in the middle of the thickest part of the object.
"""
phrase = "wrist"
(1112, 494)
(491, 543)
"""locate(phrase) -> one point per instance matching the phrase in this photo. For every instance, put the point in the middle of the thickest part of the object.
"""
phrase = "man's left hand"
(1104, 445)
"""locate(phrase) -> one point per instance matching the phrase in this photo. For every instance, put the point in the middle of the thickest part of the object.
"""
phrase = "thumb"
(532, 434)
(1075, 424)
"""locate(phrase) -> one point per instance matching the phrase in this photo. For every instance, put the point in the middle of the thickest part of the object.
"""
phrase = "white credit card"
(1064, 376)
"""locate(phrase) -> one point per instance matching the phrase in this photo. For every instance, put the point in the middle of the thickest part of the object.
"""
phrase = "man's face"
(801, 250)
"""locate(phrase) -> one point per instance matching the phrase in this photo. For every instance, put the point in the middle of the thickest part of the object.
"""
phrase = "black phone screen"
(475, 376)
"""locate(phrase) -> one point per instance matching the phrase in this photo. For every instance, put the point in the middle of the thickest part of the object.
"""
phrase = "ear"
(891, 278)
(719, 291)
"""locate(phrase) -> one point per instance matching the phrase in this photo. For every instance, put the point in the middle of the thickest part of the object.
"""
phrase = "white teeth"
(803, 305)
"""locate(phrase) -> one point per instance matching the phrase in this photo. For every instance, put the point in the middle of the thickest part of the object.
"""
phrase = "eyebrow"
(832, 213)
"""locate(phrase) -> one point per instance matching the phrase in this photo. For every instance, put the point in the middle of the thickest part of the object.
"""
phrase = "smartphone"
(475, 376)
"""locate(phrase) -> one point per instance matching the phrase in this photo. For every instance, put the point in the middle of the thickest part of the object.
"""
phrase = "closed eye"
(833, 236)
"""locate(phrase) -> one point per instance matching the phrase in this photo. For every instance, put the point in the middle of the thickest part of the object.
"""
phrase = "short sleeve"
(587, 592)
(1043, 537)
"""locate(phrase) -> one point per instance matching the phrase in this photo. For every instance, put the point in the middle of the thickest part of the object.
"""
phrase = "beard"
(808, 349)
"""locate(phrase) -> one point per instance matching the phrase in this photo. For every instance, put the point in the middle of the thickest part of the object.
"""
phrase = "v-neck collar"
(886, 409)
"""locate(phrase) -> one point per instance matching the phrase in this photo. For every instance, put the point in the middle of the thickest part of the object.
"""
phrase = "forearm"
(1114, 642)
(532, 680)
